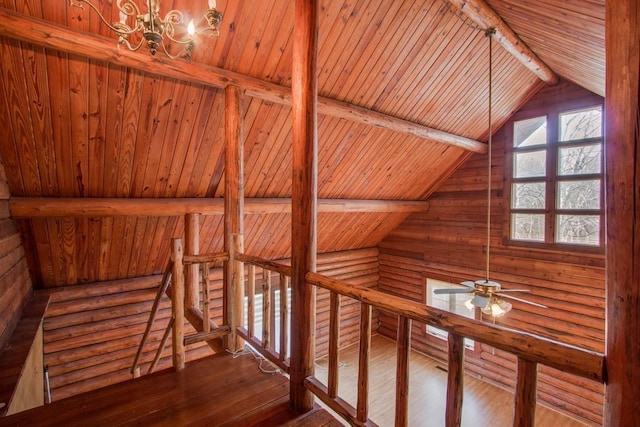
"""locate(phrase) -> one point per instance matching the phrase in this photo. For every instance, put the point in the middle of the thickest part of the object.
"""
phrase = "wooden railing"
(529, 349)
(265, 344)
(173, 285)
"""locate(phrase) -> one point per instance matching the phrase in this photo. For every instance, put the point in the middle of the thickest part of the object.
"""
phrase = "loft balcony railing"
(266, 328)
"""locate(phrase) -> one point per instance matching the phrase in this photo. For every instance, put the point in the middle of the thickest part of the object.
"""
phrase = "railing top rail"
(212, 258)
(265, 264)
(567, 358)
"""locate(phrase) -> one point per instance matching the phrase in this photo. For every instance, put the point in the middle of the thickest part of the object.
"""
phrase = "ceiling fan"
(488, 295)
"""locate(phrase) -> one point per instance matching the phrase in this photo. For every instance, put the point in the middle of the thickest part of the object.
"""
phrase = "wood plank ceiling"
(77, 127)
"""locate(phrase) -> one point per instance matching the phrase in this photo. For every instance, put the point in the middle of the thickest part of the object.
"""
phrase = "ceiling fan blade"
(515, 290)
(452, 291)
(480, 301)
(521, 300)
(469, 284)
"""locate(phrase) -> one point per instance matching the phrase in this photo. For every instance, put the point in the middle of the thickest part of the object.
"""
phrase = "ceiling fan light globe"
(504, 305)
(496, 310)
(469, 304)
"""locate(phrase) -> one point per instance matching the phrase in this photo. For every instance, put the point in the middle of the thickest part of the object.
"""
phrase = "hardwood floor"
(484, 404)
(214, 391)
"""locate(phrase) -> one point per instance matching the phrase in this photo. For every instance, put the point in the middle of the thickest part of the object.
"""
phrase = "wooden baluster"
(238, 279)
(334, 344)
(362, 411)
(273, 327)
(166, 280)
(284, 316)
(192, 247)
(251, 292)
(266, 308)
(402, 370)
(163, 343)
(206, 327)
(177, 306)
(455, 381)
(525, 394)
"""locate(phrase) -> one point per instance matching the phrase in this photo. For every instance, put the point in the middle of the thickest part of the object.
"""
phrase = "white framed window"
(556, 179)
(454, 303)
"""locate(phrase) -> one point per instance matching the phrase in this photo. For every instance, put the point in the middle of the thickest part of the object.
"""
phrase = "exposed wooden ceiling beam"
(42, 33)
(49, 207)
(484, 16)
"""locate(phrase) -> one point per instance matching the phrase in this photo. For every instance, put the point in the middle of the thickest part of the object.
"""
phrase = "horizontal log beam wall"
(92, 331)
(15, 282)
(50, 207)
(447, 243)
(23, 28)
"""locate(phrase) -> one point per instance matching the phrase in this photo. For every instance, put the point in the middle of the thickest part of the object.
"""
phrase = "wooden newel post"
(177, 304)
(402, 371)
(304, 195)
(455, 380)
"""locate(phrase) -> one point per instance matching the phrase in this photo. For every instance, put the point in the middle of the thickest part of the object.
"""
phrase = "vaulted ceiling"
(85, 128)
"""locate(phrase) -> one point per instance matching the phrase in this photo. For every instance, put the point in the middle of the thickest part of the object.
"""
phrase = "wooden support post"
(192, 247)
(266, 308)
(234, 213)
(304, 195)
(402, 371)
(525, 394)
(284, 316)
(206, 326)
(251, 292)
(455, 381)
(622, 154)
(177, 305)
(362, 410)
(334, 344)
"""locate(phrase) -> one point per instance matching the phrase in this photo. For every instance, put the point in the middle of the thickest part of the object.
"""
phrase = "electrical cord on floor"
(257, 356)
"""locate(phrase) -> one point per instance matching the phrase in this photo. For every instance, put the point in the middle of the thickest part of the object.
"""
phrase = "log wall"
(448, 243)
(15, 282)
(91, 332)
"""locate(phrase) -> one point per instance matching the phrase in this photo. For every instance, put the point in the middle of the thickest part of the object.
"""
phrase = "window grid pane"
(579, 195)
(581, 124)
(580, 160)
(527, 227)
(578, 229)
(530, 132)
(530, 164)
(528, 195)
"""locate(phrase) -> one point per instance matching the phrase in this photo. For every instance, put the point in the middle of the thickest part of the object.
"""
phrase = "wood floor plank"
(220, 390)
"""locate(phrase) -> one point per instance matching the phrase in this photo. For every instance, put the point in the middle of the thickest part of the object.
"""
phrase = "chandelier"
(154, 30)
